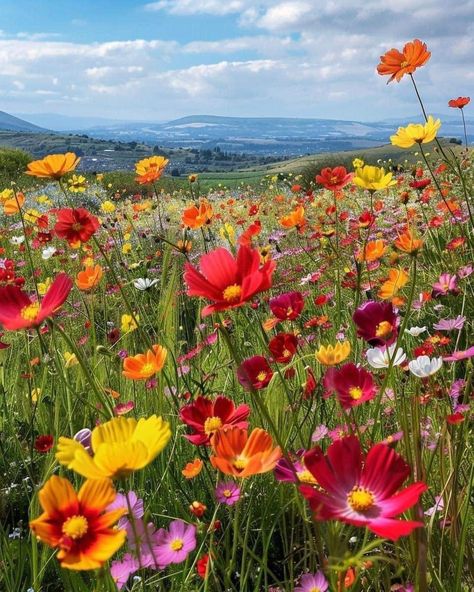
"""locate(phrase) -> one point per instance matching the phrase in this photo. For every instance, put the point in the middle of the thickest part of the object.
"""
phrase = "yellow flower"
(128, 323)
(35, 395)
(126, 248)
(119, 446)
(357, 163)
(70, 359)
(31, 216)
(416, 133)
(373, 178)
(77, 184)
(108, 207)
(6, 194)
(397, 279)
(331, 355)
(100, 177)
(44, 199)
(227, 232)
(43, 287)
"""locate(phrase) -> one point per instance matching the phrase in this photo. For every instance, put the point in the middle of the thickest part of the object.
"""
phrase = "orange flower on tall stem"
(53, 166)
(144, 366)
(396, 64)
(89, 278)
(77, 523)
(397, 279)
(196, 217)
(236, 453)
(294, 218)
(373, 250)
(408, 243)
(149, 170)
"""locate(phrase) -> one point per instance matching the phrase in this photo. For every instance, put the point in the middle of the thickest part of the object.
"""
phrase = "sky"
(159, 60)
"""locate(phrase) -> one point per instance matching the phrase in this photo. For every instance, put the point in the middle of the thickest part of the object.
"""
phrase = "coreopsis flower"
(362, 490)
(377, 323)
(331, 355)
(78, 524)
(228, 281)
(149, 170)
(228, 493)
(196, 217)
(192, 469)
(75, 225)
(175, 544)
(459, 103)
(144, 366)
(397, 279)
(379, 357)
(206, 416)
(353, 385)
(288, 306)
(119, 447)
(238, 454)
(89, 278)
(254, 373)
(19, 311)
(77, 184)
(416, 133)
(373, 250)
(293, 219)
(373, 178)
(423, 366)
(396, 64)
(283, 347)
(312, 583)
(334, 179)
(53, 166)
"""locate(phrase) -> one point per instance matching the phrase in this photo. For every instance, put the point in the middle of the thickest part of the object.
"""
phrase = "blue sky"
(133, 59)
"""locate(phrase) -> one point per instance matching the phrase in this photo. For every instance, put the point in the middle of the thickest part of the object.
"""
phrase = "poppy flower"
(143, 366)
(238, 454)
(283, 347)
(196, 217)
(396, 64)
(76, 225)
(362, 490)
(377, 323)
(89, 278)
(205, 416)
(78, 524)
(254, 373)
(228, 281)
(149, 170)
(288, 306)
(18, 311)
(353, 385)
(334, 179)
(459, 103)
(53, 166)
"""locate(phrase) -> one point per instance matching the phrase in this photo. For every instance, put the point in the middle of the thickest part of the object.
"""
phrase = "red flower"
(205, 416)
(376, 322)
(18, 311)
(201, 566)
(353, 385)
(254, 373)
(230, 282)
(253, 230)
(75, 225)
(287, 307)
(334, 179)
(283, 347)
(44, 444)
(459, 103)
(362, 490)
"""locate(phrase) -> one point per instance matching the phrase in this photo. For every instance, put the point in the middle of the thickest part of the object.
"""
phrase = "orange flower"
(77, 523)
(195, 217)
(294, 218)
(149, 170)
(408, 243)
(12, 206)
(192, 469)
(53, 166)
(143, 366)
(397, 278)
(396, 64)
(89, 278)
(373, 251)
(236, 453)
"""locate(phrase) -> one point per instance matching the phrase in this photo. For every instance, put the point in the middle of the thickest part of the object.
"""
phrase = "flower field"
(265, 389)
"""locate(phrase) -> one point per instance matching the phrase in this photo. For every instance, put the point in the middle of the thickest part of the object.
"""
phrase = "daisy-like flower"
(423, 366)
(312, 583)
(416, 133)
(379, 357)
(228, 493)
(133, 505)
(144, 366)
(48, 252)
(175, 544)
(376, 322)
(144, 284)
(396, 64)
(53, 166)
(373, 178)
(353, 385)
(447, 284)
(331, 355)
(415, 331)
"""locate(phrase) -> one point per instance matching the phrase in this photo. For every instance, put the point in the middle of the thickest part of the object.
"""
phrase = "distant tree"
(13, 163)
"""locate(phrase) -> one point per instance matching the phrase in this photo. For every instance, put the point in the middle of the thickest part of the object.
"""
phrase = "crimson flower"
(288, 306)
(254, 373)
(75, 225)
(353, 385)
(44, 443)
(283, 347)
(18, 311)
(334, 179)
(228, 281)
(377, 323)
(205, 417)
(459, 103)
(362, 490)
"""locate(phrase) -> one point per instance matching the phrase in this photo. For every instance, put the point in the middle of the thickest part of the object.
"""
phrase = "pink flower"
(287, 307)
(312, 582)
(353, 385)
(175, 544)
(228, 493)
(460, 355)
(447, 284)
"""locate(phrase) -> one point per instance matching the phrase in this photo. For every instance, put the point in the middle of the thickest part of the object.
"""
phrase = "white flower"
(144, 283)
(48, 252)
(415, 331)
(423, 366)
(379, 357)
(17, 240)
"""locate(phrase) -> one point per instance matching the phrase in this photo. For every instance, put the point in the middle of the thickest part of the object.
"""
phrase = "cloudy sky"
(129, 59)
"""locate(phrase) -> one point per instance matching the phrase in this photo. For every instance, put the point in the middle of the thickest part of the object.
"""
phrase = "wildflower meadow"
(257, 389)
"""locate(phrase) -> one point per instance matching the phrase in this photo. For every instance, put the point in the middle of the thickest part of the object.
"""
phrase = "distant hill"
(15, 124)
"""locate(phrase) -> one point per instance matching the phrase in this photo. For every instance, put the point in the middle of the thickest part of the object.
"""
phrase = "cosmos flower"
(196, 217)
(192, 469)
(228, 493)
(450, 324)
(144, 366)
(75, 225)
(283, 347)
(89, 278)
(254, 373)
(408, 242)
(459, 103)
(144, 284)
(288, 306)
(291, 469)
(460, 355)
(416, 133)
(132, 506)
(396, 64)
(446, 284)
(149, 170)
(175, 544)
(353, 385)
(294, 219)
(379, 357)
(334, 179)
(53, 166)
(415, 331)
(312, 583)
(377, 323)
(423, 366)
(373, 178)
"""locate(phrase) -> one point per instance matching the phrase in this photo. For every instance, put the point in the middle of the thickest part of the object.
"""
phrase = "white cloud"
(219, 7)
(285, 15)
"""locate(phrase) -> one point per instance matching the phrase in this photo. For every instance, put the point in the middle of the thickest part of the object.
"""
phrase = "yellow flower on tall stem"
(331, 355)
(373, 178)
(416, 133)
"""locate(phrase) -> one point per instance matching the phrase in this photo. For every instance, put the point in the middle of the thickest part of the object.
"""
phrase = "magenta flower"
(450, 324)
(460, 355)
(122, 570)
(254, 373)
(353, 385)
(446, 284)
(175, 544)
(313, 583)
(377, 323)
(228, 493)
(293, 470)
(288, 306)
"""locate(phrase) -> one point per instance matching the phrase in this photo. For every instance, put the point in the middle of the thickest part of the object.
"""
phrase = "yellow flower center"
(404, 64)
(261, 376)
(360, 499)
(75, 527)
(177, 545)
(227, 493)
(212, 424)
(355, 392)
(148, 369)
(30, 312)
(306, 477)
(286, 353)
(240, 463)
(315, 589)
(232, 293)
(383, 329)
